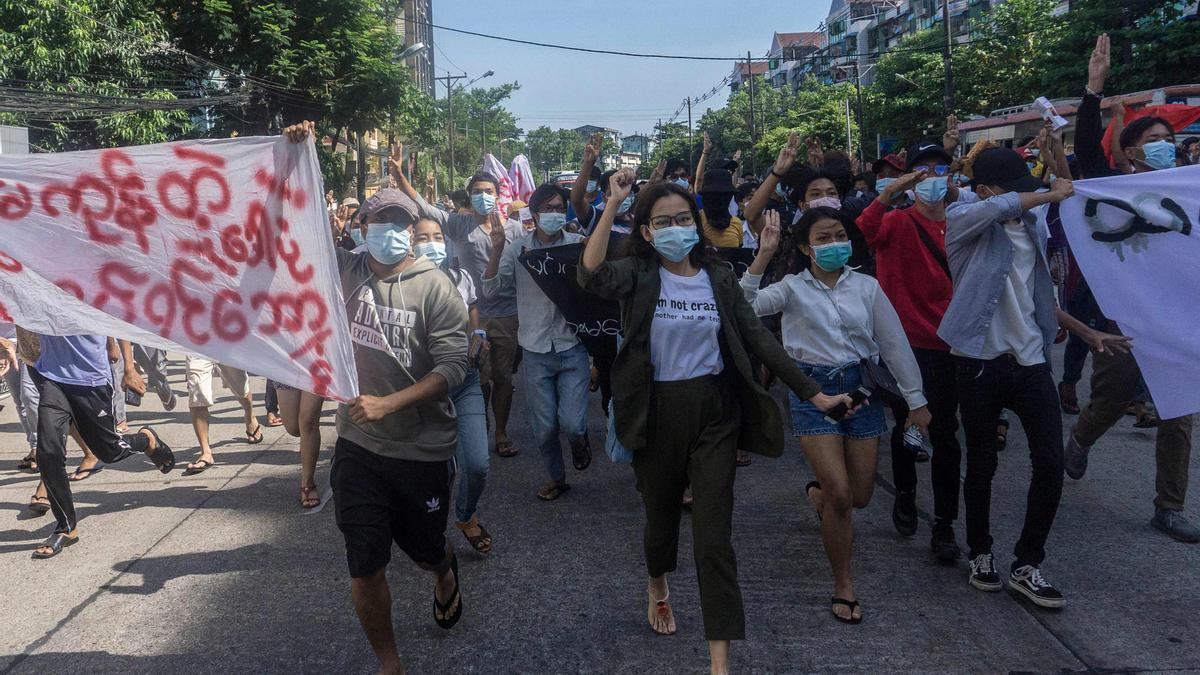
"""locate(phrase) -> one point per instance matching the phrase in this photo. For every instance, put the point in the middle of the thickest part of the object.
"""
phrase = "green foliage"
(54, 46)
(1152, 46)
(1003, 63)
(906, 96)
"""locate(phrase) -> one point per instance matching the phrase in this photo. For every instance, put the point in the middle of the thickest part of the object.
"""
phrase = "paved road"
(223, 573)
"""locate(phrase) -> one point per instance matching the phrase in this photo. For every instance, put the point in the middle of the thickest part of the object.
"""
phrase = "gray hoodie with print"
(403, 329)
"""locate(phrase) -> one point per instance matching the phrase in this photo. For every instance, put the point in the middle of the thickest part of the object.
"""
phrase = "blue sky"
(569, 89)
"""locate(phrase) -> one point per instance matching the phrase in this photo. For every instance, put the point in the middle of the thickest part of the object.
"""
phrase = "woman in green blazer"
(685, 396)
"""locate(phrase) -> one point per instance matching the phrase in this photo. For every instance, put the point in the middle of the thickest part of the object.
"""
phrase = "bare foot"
(662, 619)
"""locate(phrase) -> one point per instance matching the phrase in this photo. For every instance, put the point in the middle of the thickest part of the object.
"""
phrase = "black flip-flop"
(27, 463)
(506, 449)
(198, 467)
(88, 473)
(56, 543)
(256, 437)
(852, 604)
(1001, 436)
(162, 456)
(439, 608)
(37, 506)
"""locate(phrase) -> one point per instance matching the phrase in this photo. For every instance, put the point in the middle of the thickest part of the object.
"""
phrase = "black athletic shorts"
(380, 500)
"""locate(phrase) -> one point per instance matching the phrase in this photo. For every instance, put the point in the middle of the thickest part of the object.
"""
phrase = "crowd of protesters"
(926, 287)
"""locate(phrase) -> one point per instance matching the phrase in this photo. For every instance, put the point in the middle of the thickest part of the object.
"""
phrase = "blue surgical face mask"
(780, 191)
(626, 204)
(832, 257)
(434, 250)
(357, 235)
(882, 183)
(932, 190)
(675, 242)
(551, 223)
(1160, 154)
(592, 186)
(388, 242)
(681, 182)
(483, 203)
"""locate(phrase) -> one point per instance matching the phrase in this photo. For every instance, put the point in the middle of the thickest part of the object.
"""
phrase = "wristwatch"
(777, 175)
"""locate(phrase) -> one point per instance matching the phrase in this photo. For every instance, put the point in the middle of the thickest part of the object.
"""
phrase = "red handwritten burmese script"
(220, 247)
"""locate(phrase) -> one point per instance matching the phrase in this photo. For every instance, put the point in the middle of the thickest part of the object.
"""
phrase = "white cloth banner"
(1136, 242)
(522, 178)
(216, 247)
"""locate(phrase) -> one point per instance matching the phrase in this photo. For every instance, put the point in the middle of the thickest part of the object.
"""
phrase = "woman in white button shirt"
(832, 318)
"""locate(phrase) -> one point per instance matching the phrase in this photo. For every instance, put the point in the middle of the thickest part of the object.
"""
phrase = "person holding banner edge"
(1150, 143)
(674, 292)
(393, 464)
(1000, 325)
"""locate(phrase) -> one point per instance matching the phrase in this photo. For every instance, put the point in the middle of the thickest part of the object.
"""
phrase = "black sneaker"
(1027, 580)
(904, 513)
(943, 546)
(983, 574)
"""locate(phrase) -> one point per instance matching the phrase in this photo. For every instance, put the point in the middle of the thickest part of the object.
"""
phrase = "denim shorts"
(807, 420)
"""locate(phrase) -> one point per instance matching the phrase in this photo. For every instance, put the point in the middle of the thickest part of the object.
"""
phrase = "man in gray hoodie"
(392, 467)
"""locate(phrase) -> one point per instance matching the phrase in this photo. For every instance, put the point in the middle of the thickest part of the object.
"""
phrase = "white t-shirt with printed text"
(683, 333)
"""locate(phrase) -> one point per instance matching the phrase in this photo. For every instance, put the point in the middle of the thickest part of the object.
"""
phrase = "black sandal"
(162, 456)
(1001, 436)
(448, 622)
(506, 449)
(28, 463)
(39, 505)
(56, 543)
(256, 437)
(852, 604)
(482, 542)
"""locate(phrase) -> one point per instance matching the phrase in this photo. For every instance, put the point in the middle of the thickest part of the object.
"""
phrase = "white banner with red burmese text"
(220, 248)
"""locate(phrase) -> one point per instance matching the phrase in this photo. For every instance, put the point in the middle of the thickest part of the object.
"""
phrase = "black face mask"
(718, 216)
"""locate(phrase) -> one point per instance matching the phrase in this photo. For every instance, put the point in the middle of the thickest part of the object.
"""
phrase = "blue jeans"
(559, 400)
(472, 453)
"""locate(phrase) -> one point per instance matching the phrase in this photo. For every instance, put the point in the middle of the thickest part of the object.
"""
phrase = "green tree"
(906, 95)
(1003, 64)
(55, 46)
(1152, 46)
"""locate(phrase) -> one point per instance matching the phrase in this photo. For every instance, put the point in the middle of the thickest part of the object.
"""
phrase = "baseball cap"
(351, 202)
(892, 159)
(388, 198)
(926, 150)
(1006, 168)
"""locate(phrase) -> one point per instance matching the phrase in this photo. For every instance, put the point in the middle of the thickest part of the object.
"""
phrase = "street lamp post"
(450, 80)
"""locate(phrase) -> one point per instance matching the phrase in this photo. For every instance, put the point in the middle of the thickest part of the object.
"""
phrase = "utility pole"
(691, 140)
(450, 79)
(947, 64)
(753, 140)
(858, 91)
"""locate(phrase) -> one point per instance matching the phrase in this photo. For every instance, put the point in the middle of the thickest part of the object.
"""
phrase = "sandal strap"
(842, 601)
